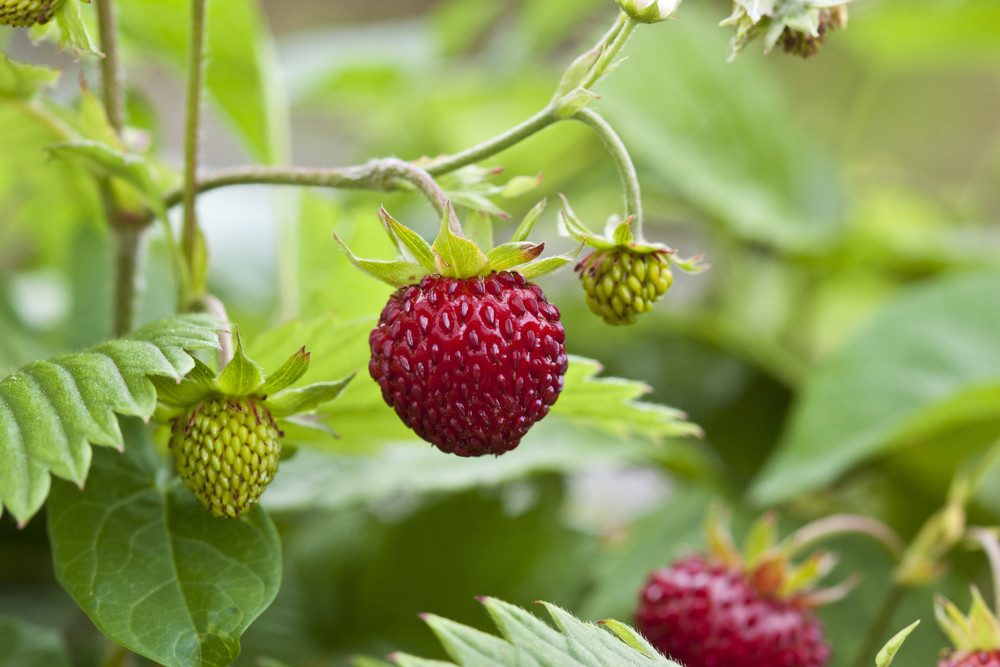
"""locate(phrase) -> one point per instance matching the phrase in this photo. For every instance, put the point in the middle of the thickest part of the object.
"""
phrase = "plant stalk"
(192, 134)
(112, 76)
(128, 255)
(623, 162)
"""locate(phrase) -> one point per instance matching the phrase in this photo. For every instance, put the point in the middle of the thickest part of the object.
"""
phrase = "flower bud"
(649, 11)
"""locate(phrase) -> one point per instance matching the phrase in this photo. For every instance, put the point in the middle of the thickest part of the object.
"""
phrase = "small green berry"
(621, 284)
(227, 452)
(23, 13)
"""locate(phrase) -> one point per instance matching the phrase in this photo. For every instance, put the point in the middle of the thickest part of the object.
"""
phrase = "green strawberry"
(23, 13)
(621, 284)
(227, 452)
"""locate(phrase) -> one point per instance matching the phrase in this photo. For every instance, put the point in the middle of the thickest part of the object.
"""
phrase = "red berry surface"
(702, 614)
(971, 659)
(469, 364)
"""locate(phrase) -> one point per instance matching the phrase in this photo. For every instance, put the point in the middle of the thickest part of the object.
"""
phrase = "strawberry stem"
(987, 539)
(840, 524)
(623, 162)
(192, 123)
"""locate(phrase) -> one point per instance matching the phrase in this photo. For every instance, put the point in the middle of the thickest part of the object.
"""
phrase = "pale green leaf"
(52, 411)
(513, 254)
(415, 243)
(932, 344)
(457, 257)
(288, 373)
(478, 228)
(888, 652)
(242, 376)
(528, 641)
(528, 222)
(304, 399)
(24, 80)
(543, 265)
(393, 272)
(632, 638)
(170, 582)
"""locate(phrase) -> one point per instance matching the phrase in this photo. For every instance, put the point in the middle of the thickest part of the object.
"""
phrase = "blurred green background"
(842, 354)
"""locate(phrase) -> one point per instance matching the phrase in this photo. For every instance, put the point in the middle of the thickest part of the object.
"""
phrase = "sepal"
(305, 399)
(288, 374)
(979, 631)
(649, 11)
(241, 376)
(454, 255)
(394, 272)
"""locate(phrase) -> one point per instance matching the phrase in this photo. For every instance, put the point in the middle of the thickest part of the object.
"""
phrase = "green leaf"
(51, 411)
(155, 571)
(241, 77)
(196, 385)
(524, 229)
(23, 80)
(457, 257)
(304, 399)
(68, 29)
(611, 404)
(925, 349)
(509, 255)
(520, 185)
(28, 645)
(288, 374)
(414, 242)
(888, 652)
(631, 637)
(394, 272)
(242, 376)
(530, 641)
(108, 160)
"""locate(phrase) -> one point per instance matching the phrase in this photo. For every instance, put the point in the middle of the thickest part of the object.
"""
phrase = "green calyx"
(226, 429)
(979, 631)
(798, 25)
(624, 276)
(24, 13)
(769, 563)
(454, 256)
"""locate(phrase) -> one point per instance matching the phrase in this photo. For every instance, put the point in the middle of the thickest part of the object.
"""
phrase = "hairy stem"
(623, 162)
(616, 38)
(112, 77)
(128, 244)
(491, 147)
(192, 129)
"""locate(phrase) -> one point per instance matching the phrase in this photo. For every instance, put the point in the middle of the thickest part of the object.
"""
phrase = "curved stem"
(192, 114)
(112, 78)
(839, 524)
(623, 162)
(501, 142)
(988, 541)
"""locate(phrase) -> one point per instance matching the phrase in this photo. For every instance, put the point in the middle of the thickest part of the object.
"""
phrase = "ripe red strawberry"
(704, 614)
(469, 363)
(970, 659)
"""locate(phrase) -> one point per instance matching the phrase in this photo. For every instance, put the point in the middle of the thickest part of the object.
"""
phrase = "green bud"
(649, 11)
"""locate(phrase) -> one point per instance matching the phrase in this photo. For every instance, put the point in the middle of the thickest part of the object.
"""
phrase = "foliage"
(840, 355)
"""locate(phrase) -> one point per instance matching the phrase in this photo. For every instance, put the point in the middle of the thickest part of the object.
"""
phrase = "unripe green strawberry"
(227, 452)
(621, 284)
(23, 13)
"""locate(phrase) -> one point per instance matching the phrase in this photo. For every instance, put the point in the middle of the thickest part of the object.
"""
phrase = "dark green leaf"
(51, 411)
(154, 570)
(927, 347)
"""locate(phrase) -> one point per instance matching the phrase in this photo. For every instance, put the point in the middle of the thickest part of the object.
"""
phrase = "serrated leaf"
(891, 648)
(24, 80)
(414, 242)
(170, 582)
(529, 642)
(455, 256)
(893, 376)
(195, 386)
(394, 272)
(304, 399)
(528, 222)
(52, 411)
(611, 404)
(242, 376)
(469, 646)
(288, 373)
(509, 255)
(407, 660)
